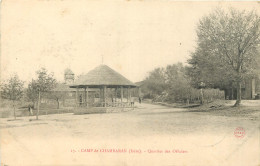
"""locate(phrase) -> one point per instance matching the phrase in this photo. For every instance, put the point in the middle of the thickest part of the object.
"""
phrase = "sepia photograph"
(129, 83)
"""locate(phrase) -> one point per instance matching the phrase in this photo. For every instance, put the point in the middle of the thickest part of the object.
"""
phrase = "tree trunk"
(238, 101)
(58, 107)
(38, 106)
(232, 92)
(201, 93)
(14, 110)
(58, 104)
(34, 104)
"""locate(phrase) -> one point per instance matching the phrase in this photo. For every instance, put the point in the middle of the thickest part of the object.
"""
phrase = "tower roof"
(68, 72)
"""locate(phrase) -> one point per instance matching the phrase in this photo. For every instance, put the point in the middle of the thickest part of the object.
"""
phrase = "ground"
(147, 135)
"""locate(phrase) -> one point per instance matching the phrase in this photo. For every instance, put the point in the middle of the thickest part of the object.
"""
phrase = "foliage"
(210, 70)
(154, 83)
(227, 48)
(57, 96)
(171, 84)
(31, 92)
(12, 90)
(44, 82)
(177, 83)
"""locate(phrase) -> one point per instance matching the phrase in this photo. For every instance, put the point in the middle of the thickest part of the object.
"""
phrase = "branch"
(231, 62)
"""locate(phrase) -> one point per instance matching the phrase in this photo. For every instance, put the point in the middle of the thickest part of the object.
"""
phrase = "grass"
(8, 113)
(222, 109)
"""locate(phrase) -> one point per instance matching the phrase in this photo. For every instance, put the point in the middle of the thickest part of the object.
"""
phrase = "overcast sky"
(134, 37)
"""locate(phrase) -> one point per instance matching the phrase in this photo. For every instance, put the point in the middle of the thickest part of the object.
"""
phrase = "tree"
(58, 93)
(231, 38)
(178, 86)
(45, 82)
(169, 84)
(173, 84)
(32, 93)
(57, 96)
(13, 90)
(210, 70)
(154, 84)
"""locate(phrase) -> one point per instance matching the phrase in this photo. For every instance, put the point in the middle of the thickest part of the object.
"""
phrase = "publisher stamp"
(239, 132)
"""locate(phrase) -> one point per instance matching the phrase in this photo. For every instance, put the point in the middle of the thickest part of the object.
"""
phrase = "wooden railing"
(108, 104)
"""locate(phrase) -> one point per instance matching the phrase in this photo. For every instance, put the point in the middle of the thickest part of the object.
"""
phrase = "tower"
(68, 76)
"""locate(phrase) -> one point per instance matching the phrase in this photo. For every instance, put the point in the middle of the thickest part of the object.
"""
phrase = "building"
(114, 89)
(68, 76)
(250, 89)
(62, 95)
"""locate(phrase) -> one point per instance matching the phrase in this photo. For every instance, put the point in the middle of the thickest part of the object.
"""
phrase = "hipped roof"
(102, 76)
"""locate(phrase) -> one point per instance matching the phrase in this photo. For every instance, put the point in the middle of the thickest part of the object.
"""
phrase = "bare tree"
(233, 37)
(57, 96)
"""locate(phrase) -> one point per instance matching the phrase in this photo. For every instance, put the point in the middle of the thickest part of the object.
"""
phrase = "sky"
(133, 36)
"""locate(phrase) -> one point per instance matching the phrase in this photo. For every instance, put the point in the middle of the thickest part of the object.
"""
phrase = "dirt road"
(148, 135)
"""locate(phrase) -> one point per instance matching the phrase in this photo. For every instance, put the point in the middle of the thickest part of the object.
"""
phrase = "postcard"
(129, 82)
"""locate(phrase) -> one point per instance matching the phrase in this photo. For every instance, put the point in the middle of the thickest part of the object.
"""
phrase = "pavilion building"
(115, 91)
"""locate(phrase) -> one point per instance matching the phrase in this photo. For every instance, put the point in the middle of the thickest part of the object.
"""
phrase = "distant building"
(62, 95)
(250, 89)
(69, 76)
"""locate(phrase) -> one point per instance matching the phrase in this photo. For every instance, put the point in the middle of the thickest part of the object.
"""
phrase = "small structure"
(109, 82)
(68, 76)
(62, 93)
(250, 89)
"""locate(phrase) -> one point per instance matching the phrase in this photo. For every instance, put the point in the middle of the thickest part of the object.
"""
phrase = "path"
(207, 139)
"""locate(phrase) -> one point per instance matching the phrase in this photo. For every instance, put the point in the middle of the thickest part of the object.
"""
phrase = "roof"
(102, 76)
